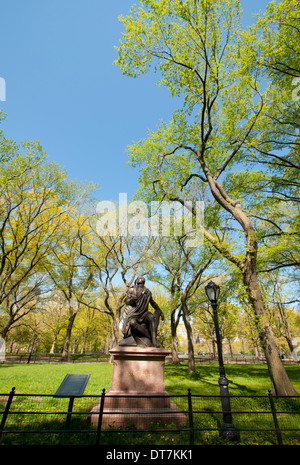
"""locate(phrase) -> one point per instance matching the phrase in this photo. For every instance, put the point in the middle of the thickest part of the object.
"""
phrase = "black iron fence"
(101, 357)
(55, 358)
(45, 419)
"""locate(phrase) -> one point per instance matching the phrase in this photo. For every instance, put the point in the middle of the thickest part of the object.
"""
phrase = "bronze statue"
(140, 325)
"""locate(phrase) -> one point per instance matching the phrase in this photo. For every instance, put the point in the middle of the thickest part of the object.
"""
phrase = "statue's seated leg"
(152, 328)
(156, 316)
(137, 328)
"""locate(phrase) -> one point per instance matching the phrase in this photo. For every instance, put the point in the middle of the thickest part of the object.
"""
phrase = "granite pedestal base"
(137, 393)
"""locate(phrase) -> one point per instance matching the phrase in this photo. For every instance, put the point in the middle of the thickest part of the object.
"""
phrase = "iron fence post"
(6, 411)
(191, 419)
(275, 419)
(100, 418)
(69, 414)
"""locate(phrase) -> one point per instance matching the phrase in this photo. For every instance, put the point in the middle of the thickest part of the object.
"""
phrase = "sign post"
(72, 386)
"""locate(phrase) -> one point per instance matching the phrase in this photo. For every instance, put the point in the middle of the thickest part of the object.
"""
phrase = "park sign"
(73, 385)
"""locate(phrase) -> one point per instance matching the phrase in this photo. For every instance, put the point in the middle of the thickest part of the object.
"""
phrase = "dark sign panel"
(72, 385)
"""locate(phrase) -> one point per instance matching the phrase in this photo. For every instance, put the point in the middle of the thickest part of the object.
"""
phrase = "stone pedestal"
(137, 393)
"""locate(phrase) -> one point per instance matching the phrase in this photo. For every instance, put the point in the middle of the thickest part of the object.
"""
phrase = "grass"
(46, 378)
(252, 379)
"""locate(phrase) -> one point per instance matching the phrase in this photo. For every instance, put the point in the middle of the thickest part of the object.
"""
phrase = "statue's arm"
(156, 307)
(153, 304)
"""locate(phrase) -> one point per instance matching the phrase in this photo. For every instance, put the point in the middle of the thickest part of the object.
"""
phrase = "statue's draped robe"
(137, 302)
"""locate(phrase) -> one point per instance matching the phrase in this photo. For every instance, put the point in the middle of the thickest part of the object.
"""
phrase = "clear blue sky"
(63, 90)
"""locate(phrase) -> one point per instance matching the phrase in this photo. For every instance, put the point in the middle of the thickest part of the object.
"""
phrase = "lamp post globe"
(212, 291)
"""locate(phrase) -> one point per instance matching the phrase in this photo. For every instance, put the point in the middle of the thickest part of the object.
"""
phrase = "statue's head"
(140, 281)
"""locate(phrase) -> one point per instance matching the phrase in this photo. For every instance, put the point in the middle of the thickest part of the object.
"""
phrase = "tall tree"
(169, 259)
(273, 50)
(185, 267)
(35, 200)
(117, 261)
(70, 273)
(55, 318)
(24, 299)
(196, 48)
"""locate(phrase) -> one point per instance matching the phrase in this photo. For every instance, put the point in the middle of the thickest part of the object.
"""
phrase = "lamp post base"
(228, 432)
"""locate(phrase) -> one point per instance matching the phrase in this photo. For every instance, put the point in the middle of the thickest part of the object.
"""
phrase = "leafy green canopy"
(197, 51)
(272, 48)
(195, 48)
(226, 126)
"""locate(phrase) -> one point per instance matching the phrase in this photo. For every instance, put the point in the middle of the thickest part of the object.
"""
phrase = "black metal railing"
(101, 357)
(55, 358)
(44, 419)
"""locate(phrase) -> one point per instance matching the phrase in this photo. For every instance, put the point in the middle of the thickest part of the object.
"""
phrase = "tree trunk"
(75, 344)
(106, 347)
(115, 335)
(5, 331)
(174, 324)
(53, 344)
(115, 338)
(66, 347)
(287, 334)
(6, 328)
(280, 380)
(256, 350)
(189, 332)
(281, 383)
(213, 343)
(230, 348)
(85, 335)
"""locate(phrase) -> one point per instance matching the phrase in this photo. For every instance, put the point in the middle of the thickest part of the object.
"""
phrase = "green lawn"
(243, 379)
(46, 378)
(246, 380)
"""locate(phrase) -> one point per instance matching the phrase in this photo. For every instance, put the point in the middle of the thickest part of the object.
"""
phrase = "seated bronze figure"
(140, 325)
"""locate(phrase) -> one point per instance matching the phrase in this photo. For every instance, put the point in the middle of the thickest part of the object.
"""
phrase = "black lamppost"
(228, 430)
